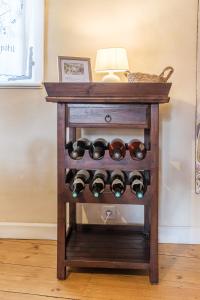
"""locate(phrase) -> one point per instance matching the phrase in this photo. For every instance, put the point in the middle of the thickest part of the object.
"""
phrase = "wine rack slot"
(108, 105)
(107, 197)
(107, 163)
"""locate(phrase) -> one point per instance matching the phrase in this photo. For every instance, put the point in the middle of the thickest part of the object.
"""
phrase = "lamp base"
(111, 77)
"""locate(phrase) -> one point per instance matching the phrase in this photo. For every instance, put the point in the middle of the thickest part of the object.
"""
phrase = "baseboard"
(28, 231)
(167, 234)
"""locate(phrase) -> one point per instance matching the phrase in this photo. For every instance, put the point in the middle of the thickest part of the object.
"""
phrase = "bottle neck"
(117, 154)
(138, 149)
(98, 187)
(77, 153)
(138, 153)
(97, 152)
(117, 187)
(101, 174)
(137, 188)
(78, 186)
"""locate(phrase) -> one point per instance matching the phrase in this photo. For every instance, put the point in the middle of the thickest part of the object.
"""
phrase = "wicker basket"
(143, 77)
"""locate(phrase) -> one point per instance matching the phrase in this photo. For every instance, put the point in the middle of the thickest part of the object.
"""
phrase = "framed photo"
(74, 69)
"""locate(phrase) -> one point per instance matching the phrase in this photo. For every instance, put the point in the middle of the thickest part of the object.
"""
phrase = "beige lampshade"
(111, 59)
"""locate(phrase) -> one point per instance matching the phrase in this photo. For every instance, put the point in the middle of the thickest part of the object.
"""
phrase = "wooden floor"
(28, 272)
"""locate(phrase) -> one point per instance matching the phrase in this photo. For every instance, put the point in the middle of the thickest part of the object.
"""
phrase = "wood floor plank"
(180, 250)
(28, 253)
(172, 287)
(19, 296)
(179, 263)
(41, 281)
(34, 278)
(41, 242)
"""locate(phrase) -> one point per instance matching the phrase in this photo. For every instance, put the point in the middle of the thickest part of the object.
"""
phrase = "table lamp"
(111, 60)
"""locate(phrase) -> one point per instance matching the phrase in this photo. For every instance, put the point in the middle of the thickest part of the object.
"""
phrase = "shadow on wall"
(177, 161)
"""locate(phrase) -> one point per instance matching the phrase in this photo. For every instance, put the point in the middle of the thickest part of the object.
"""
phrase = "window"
(21, 42)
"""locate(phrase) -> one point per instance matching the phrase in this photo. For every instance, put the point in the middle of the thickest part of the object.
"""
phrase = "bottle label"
(77, 181)
(100, 182)
(117, 181)
(138, 182)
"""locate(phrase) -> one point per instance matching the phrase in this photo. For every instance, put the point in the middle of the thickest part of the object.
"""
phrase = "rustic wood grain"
(20, 296)
(61, 204)
(154, 138)
(107, 163)
(108, 248)
(94, 115)
(28, 253)
(97, 92)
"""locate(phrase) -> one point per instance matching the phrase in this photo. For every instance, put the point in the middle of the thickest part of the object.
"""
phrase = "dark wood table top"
(99, 92)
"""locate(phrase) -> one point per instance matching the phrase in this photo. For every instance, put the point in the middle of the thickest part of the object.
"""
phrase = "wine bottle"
(137, 184)
(77, 149)
(117, 183)
(98, 182)
(117, 149)
(137, 149)
(97, 149)
(79, 182)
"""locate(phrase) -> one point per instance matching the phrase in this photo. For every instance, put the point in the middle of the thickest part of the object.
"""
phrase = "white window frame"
(36, 31)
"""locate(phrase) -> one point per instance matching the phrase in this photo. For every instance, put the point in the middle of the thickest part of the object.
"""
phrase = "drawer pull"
(108, 118)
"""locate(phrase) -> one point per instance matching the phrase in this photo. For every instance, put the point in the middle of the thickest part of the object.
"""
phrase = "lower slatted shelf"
(107, 248)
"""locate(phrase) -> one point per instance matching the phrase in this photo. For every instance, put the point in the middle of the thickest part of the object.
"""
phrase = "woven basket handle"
(170, 71)
(126, 73)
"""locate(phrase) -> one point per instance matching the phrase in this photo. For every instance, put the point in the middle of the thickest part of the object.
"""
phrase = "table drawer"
(108, 115)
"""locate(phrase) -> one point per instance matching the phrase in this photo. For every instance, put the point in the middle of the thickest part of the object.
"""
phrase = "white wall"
(156, 33)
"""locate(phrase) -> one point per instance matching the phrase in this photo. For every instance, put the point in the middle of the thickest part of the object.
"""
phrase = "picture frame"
(74, 69)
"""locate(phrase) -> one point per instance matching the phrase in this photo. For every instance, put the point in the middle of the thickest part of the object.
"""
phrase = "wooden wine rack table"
(106, 105)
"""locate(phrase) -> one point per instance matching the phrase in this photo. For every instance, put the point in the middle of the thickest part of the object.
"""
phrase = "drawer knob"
(108, 118)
